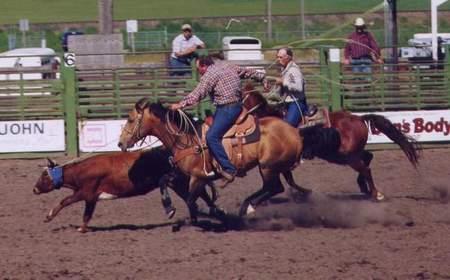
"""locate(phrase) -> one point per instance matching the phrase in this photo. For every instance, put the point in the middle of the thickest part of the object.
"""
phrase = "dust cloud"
(321, 210)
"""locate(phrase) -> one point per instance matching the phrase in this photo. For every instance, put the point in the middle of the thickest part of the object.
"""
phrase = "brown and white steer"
(113, 175)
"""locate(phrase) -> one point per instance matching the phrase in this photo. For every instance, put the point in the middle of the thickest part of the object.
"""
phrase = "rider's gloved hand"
(175, 106)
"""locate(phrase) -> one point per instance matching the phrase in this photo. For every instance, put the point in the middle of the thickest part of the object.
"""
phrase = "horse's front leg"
(271, 186)
(166, 201)
(214, 210)
(196, 186)
(64, 203)
(88, 211)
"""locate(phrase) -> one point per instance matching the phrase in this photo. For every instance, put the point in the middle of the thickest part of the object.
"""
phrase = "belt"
(228, 104)
(362, 57)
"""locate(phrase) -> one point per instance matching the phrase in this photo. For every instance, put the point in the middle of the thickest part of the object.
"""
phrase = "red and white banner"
(424, 126)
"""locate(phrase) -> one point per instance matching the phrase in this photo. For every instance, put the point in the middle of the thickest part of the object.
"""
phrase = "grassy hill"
(39, 11)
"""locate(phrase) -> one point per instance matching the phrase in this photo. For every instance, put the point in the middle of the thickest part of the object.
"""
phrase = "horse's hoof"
(217, 212)
(82, 229)
(301, 195)
(193, 221)
(250, 210)
(380, 196)
(171, 212)
(48, 219)
(306, 192)
(176, 228)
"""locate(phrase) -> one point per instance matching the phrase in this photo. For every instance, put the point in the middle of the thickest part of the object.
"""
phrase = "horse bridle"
(137, 127)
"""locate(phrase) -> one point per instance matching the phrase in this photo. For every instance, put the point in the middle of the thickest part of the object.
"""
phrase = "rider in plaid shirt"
(221, 81)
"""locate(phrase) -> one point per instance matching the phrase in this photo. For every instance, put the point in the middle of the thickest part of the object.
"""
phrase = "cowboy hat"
(359, 22)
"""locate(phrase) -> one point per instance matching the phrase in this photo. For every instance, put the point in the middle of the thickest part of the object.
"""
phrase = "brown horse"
(277, 151)
(353, 133)
(115, 175)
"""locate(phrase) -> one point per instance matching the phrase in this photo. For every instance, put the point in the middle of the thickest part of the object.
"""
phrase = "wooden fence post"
(70, 110)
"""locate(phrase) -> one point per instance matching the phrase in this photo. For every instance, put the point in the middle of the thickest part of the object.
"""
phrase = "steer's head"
(50, 179)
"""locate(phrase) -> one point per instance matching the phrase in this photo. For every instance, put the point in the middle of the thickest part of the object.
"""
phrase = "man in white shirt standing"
(183, 51)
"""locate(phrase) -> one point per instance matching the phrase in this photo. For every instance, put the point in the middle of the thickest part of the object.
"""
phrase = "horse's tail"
(408, 144)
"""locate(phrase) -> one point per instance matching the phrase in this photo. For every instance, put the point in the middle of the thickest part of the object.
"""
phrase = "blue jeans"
(179, 68)
(362, 65)
(224, 118)
(293, 115)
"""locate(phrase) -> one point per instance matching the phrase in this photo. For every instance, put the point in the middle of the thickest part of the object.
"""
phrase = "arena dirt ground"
(333, 235)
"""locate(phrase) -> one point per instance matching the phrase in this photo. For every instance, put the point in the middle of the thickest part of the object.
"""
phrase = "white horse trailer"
(242, 48)
(34, 64)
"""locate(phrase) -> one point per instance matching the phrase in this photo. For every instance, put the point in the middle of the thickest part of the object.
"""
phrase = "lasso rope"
(183, 129)
(339, 27)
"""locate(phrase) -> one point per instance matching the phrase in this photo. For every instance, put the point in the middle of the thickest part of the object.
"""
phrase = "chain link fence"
(162, 39)
(152, 40)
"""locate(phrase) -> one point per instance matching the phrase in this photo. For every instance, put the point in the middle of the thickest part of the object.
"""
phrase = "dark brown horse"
(114, 175)
(353, 133)
(277, 151)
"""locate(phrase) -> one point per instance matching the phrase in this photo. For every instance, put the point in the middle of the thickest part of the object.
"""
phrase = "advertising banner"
(102, 136)
(424, 126)
(32, 136)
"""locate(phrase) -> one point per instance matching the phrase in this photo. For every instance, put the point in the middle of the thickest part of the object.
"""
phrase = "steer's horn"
(51, 163)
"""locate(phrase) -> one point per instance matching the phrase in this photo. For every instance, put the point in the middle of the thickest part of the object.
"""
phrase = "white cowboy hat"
(359, 22)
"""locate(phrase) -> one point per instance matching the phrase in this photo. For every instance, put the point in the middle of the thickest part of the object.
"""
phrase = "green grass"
(39, 11)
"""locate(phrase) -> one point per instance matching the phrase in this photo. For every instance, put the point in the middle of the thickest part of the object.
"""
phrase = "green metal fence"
(109, 94)
(396, 87)
(25, 100)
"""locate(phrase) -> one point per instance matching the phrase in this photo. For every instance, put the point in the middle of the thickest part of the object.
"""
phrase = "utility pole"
(434, 26)
(269, 19)
(391, 30)
(105, 16)
(302, 12)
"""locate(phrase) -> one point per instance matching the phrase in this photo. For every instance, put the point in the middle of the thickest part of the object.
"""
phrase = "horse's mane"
(164, 114)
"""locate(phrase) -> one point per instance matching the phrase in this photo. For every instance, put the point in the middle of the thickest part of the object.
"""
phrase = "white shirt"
(180, 44)
(292, 80)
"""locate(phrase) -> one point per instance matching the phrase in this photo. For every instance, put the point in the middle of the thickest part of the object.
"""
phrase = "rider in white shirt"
(291, 88)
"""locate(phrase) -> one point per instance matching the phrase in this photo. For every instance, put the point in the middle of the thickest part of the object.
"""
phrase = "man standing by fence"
(183, 51)
(361, 49)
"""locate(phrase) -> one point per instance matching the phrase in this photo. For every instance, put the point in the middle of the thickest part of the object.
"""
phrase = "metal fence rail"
(109, 94)
(397, 87)
(31, 99)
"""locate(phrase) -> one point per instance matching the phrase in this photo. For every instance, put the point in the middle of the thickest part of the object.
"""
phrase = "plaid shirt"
(222, 83)
(361, 45)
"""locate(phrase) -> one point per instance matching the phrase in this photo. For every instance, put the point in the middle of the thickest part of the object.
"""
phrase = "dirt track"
(334, 235)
